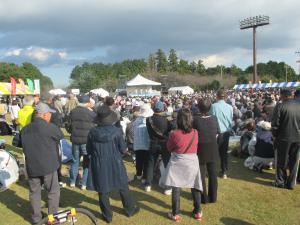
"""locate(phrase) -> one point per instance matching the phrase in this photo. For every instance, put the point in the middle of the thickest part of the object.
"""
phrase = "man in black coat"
(82, 120)
(40, 140)
(286, 130)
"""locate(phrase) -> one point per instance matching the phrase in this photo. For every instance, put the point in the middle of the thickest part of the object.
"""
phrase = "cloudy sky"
(55, 35)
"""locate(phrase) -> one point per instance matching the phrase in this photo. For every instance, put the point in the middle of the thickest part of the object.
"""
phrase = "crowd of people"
(174, 140)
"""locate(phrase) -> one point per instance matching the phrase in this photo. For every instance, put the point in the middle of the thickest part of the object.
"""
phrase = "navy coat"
(105, 145)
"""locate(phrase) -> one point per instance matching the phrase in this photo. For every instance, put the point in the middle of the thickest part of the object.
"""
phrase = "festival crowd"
(176, 141)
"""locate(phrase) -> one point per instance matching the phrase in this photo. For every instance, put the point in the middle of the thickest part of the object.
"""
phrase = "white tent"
(9, 170)
(141, 86)
(100, 92)
(57, 92)
(139, 80)
(184, 90)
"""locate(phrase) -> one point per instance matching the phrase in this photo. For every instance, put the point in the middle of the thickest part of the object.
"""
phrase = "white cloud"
(14, 52)
(37, 55)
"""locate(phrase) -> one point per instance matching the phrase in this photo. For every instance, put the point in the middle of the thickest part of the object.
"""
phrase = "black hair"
(184, 120)
(204, 105)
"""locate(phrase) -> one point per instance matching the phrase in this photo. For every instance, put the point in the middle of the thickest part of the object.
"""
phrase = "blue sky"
(56, 35)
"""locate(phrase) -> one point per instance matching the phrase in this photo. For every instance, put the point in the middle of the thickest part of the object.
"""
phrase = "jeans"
(152, 162)
(51, 185)
(223, 142)
(210, 167)
(127, 202)
(196, 194)
(77, 152)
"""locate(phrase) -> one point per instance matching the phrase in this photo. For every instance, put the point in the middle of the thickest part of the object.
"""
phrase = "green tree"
(151, 63)
(201, 68)
(173, 61)
(161, 61)
(235, 71)
(242, 79)
(183, 67)
(193, 67)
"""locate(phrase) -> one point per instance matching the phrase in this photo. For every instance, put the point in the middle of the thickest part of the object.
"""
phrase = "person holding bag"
(183, 168)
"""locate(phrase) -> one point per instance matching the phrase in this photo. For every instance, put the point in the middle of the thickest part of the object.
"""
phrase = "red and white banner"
(13, 86)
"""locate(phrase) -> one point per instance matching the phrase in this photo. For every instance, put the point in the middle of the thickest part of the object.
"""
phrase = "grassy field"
(245, 198)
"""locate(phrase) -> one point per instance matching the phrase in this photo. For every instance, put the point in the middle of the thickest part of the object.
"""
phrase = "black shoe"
(134, 211)
(274, 184)
(106, 220)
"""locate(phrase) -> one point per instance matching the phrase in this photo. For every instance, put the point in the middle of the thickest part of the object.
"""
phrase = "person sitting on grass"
(261, 148)
(183, 169)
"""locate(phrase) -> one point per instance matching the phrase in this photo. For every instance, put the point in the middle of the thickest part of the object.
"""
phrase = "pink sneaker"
(175, 218)
(198, 216)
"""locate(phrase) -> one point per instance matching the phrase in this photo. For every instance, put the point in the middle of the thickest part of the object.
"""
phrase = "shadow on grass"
(16, 204)
(233, 221)
(239, 172)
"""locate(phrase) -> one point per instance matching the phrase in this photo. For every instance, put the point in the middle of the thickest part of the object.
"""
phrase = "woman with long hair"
(183, 168)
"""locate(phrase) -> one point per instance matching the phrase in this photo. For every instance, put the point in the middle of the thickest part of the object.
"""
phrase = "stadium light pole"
(254, 22)
(298, 61)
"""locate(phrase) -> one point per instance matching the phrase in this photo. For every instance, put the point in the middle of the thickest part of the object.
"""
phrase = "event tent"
(139, 80)
(184, 90)
(57, 92)
(267, 85)
(100, 92)
(5, 89)
(141, 86)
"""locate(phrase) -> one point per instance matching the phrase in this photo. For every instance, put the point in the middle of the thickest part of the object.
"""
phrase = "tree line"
(89, 76)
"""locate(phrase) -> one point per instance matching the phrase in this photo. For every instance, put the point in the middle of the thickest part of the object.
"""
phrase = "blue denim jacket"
(141, 140)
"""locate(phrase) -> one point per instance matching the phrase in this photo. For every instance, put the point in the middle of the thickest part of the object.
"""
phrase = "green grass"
(245, 198)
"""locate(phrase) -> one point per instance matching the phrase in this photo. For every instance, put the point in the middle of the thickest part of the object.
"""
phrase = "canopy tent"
(141, 86)
(5, 89)
(184, 90)
(139, 80)
(100, 92)
(267, 85)
(57, 92)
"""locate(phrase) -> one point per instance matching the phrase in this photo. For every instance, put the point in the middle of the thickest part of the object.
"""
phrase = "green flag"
(30, 84)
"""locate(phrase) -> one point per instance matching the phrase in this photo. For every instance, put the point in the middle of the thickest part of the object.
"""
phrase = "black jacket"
(286, 121)
(81, 123)
(40, 142)
(161, 124)
(208, 129)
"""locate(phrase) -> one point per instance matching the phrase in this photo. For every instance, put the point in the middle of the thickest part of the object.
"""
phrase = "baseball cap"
(43, 108)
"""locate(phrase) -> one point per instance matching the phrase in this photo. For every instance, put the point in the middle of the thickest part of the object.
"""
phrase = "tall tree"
(151, 63)
(184, 67)
(173, 61)
(161, 59)
(200, 67)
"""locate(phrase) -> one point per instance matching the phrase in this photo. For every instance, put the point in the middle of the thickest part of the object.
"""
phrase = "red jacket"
(179, 141)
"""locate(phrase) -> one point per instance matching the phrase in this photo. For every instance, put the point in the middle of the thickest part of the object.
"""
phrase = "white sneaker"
(139, 177)
(224, 176)
(148, 188)
(72, 185)
(62, 184)
(83, 187)
(168, 192)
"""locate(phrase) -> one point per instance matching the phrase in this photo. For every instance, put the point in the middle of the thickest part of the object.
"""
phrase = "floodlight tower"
(254, 22)
(298, 61)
